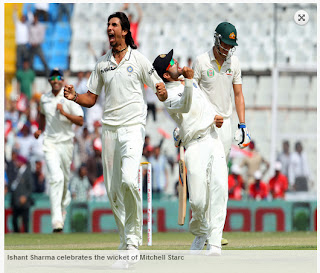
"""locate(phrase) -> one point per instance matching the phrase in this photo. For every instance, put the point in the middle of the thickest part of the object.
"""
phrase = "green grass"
(161, 241)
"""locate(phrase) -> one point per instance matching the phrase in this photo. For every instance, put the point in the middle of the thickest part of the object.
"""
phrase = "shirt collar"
(126, 57)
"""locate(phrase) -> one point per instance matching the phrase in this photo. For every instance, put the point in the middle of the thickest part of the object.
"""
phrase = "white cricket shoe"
(134, 254)
(213, 250)
(198, 244)
(120, 265)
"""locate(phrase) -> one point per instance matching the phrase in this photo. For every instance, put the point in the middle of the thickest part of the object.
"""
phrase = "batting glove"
(176, 137)
(242, 136)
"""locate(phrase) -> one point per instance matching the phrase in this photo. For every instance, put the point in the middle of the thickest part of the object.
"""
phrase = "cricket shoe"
(198, 244)
(224, 242)
(134, 254)
(57, 230)
(213, 250)
(120, 265)
(58, 227)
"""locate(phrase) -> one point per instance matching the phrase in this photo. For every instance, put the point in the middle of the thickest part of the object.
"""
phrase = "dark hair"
(125, 24)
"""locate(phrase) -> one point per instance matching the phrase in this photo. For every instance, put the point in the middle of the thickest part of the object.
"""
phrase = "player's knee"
(197, 207)
(56, 179)
(129, 181)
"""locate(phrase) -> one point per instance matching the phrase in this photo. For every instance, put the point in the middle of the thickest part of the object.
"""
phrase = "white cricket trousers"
(121, 156)
(207, 178)
(225, 135)
(58, 157)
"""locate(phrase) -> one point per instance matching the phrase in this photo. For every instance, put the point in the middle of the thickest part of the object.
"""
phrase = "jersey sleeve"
(76, 109)
(181, 103)
(197, 71)
(149, 75)
(237, 73)
(95, 82)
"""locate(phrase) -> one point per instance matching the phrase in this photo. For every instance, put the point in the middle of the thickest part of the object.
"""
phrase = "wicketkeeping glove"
(242, 136)
(176, 137)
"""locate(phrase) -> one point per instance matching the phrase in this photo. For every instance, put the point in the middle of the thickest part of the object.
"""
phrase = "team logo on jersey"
(229, 72)
(162, 55)
(62, 101)
(210, 73)
(194, 84)
(151, 71)
(232, 36)
(107, 69)
(129, 69)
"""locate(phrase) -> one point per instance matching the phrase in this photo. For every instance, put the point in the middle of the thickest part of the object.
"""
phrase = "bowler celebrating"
(122, 73)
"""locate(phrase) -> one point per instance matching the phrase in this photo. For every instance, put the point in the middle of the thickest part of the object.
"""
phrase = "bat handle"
(181, 153)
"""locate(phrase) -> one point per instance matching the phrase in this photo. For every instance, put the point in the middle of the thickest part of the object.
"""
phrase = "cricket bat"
(182, 188)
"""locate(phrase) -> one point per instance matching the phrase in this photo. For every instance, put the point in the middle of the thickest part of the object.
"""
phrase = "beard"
(175, 75)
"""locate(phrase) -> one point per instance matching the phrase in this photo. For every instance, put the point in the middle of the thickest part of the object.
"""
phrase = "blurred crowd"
(291, 174)
(30, 31)
(246, 180)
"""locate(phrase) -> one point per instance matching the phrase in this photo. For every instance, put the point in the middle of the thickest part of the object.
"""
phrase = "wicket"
(149, 198)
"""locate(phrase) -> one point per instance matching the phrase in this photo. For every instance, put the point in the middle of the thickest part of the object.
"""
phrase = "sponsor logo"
(229, 72)
(180, 94)
(210, 73)
(194, 84)
(151, 71)
(232, 36)
(130, 69)
(107, 69)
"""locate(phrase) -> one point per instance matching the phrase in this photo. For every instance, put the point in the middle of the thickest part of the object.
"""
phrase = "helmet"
(226, 33)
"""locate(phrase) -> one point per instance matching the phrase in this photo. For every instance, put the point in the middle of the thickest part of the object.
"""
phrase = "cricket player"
(57, 114)
(218, 73)
(122, 73)
(204, 156)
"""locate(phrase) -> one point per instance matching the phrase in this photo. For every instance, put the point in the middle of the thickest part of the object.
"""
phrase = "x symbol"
(301, 17)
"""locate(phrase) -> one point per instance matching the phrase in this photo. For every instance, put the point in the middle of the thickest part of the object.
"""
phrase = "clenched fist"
(161, 91)
(218, 121)
(60, 108)
(69, 92)
(37, 134)
(187, 72)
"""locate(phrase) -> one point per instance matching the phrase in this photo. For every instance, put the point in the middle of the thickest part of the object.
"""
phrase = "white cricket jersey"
(58, 128)
(125, 100)
(189, 108)
(217, 85)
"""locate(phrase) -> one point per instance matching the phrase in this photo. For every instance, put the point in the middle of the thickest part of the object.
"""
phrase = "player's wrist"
(242, 125)
(75, 97)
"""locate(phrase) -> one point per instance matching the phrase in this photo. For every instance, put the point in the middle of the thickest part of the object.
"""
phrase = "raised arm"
(182, 104)
(140, 13)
